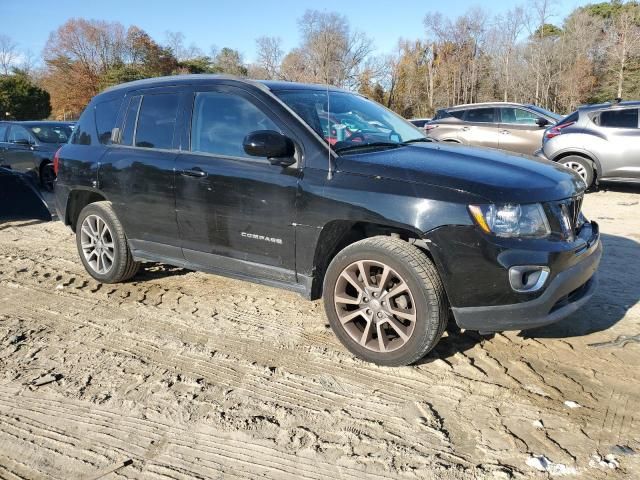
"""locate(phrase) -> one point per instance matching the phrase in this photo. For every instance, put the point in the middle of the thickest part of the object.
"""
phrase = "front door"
(519, 130)
(621, 158)
(235, 212)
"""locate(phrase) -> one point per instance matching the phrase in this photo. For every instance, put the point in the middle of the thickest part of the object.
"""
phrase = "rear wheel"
(385, 301)
(581, 166)
(102, 244)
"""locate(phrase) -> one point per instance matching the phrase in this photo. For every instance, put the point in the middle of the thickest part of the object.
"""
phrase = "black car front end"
(497, 283)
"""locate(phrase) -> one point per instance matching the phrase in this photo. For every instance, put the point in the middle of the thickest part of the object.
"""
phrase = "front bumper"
(566, 293)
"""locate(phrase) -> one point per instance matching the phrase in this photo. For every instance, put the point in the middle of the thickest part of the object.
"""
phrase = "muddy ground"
(191, 375)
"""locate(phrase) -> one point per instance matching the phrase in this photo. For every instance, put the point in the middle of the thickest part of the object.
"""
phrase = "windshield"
(347, 120)
(546, 112)
(51, 133)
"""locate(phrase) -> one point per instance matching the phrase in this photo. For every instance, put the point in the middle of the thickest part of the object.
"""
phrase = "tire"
(111, 249)
(47, 176)
(581, 166)
(358, 321)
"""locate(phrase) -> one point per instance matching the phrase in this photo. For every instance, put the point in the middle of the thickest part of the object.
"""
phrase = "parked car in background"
(420, 122)
(29, 147)
(240, 178)
(508, 126)
(599, 142)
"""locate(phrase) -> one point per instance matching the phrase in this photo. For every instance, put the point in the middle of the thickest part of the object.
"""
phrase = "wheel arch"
(78, 199)
(584, 154)
(339, 234)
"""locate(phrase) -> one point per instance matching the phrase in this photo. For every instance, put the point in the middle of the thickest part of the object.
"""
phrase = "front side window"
(517, 116)
(19, 134)
(106, 115)
(157, 121)
(347, 120)
(619, 118)
(222, 120)
(481, 115)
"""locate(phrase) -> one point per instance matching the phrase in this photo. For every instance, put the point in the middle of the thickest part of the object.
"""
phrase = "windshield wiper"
(358, 146)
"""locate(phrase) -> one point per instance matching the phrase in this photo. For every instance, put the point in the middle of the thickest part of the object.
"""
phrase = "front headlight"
(511, 220)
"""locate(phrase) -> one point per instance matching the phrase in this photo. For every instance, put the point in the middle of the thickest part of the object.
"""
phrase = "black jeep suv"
(277, 183)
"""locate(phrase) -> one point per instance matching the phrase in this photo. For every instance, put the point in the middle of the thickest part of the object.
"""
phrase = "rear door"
(235, 211)
(20, 154)
(620, 155)
(137, 173)
(519, 130)
(481, 127)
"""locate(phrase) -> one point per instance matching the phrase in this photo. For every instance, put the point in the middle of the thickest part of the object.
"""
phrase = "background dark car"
(29, 147)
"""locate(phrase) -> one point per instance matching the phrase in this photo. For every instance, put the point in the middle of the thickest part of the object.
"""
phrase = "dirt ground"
(191, 375)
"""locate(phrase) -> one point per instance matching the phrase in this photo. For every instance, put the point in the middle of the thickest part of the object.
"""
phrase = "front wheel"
(385, 301)
(102, 244)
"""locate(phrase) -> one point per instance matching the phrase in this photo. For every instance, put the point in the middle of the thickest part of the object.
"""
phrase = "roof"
(208, 78)
(612, 105)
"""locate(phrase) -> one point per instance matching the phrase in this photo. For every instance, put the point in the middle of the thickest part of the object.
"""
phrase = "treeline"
(593, 55)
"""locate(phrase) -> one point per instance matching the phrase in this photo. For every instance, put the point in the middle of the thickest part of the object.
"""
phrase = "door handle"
(505, 132)
(464, 129)
(194, 172)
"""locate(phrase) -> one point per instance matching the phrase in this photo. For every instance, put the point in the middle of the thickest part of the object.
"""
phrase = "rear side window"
(619, 118)
(85, 128)
(440, 114)
(481, 115)
(222, 120)
(106, 114)
(130, 118)
(157, 121)
(3, 131)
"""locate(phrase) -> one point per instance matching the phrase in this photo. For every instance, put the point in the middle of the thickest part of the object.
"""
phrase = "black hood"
(492, 174)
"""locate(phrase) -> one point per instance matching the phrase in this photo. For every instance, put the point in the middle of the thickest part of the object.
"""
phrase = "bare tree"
(624, 42)
(504, 39)
(269, 56)
(8, 54)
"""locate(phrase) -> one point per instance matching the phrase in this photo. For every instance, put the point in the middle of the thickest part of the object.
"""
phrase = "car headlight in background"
(511, 220)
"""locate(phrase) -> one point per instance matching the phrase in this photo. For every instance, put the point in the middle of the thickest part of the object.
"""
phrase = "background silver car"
(600, 142)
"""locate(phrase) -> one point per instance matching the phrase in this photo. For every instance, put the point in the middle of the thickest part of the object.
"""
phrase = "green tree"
(20, 99)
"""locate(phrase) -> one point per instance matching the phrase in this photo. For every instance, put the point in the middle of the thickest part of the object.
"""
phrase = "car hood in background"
(492, 174)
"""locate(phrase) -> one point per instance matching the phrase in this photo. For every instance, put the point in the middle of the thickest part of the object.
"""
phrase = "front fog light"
(529, 278)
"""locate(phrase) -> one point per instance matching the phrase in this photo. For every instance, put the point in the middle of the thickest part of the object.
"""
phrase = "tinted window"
(51, 133)
(481, 115)
(517, 116)
(85, 128)
(221, 121)
(106, 114)
(130, 121)
(157, 121)
(3, 131)
(620, 118)
(456, 114)
(17, 133)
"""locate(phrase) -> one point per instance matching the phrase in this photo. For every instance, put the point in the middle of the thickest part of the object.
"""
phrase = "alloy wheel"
(97, 244)
(375, 306)
(578, 168)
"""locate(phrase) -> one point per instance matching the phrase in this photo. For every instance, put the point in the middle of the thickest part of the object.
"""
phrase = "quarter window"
(130, 121)
(481, 115)
(106, 114)
(619, 118)
(157, 121)
(222, 120)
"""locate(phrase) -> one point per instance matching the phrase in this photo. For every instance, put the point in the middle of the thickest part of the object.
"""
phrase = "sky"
(237, 24)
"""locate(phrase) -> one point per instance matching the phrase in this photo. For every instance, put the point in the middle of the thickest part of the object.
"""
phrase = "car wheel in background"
(581, 166)
(385, 301)
(102, 244)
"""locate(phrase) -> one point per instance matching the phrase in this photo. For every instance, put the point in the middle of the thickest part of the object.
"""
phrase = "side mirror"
(542, 122)
(278, 148)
